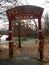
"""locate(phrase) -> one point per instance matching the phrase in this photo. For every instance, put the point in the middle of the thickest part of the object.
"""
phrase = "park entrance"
(22, 13)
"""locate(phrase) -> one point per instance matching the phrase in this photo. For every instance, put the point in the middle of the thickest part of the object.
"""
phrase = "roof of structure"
(25, 10)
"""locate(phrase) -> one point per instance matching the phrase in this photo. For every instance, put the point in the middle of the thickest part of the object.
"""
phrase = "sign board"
(24, 12)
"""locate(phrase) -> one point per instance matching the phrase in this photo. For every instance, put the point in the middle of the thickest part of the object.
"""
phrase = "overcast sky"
(36, 2)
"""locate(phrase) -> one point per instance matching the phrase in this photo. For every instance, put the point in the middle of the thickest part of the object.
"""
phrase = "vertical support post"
(40, 39)
(19, 34)
(10, 39)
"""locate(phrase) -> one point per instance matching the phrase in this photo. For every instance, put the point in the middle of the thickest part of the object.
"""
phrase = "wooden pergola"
(22, 13)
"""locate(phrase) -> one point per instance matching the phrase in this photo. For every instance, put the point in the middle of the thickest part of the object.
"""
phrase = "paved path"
(22, 59)
(26, 56)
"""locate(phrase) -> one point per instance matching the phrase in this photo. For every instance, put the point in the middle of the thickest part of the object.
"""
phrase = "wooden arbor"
(22, 13)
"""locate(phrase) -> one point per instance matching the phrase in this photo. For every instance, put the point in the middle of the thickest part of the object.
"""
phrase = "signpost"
(24, 12)
(19, 34)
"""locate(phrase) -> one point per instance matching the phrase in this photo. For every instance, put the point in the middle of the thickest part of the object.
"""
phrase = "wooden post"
(19, 34)
(40, 39)
(10, 39)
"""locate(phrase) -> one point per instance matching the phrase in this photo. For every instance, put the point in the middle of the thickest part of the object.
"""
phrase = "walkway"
(21, 59)
(23, 56)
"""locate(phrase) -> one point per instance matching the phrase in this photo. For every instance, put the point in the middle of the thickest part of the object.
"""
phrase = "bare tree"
(46, 25)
